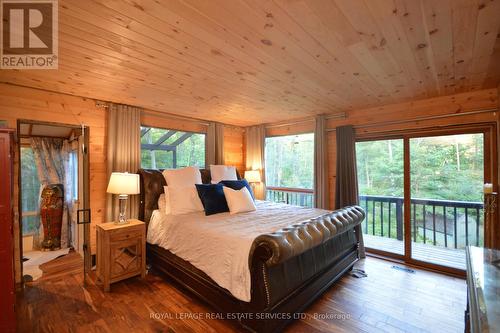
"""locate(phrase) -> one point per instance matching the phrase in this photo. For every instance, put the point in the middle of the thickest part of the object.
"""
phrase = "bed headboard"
(152, 182)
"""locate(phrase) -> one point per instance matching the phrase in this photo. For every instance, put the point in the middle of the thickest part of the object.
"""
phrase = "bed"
(290, 260)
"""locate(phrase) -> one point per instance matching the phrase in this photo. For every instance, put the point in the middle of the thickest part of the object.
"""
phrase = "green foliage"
(446, 167)
(30, 189)
(190, 152)
(290, 161)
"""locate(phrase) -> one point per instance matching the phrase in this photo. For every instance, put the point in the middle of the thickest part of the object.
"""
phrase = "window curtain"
(346, 186)
(123, 153)
(255, 141)
(320, 163)
(52, 163)
(215, 144)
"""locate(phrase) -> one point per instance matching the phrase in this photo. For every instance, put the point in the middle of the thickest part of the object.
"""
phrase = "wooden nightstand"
(121, 251)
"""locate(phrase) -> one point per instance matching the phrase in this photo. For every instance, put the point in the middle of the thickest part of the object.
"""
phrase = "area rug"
(31, 266)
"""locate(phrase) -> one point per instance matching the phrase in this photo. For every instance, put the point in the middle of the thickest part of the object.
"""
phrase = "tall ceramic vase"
(51, 212)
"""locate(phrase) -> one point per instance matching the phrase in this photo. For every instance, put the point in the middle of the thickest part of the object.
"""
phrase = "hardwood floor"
(388, 300)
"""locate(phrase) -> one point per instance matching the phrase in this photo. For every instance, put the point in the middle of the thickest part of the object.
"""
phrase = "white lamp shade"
(252, 176)
(123, 183)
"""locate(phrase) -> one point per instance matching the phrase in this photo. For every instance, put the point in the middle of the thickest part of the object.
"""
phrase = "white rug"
(37, 258)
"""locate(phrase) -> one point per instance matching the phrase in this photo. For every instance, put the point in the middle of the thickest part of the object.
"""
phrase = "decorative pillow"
(222, 172)
(238, 185)
(182, 177)
(212, 197)
(239, 201)
(183, 200)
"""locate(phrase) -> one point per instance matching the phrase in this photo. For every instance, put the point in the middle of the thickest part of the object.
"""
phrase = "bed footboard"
(293, 266)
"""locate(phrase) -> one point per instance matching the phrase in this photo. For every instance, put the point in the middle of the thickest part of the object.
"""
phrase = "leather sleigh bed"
(289, 268)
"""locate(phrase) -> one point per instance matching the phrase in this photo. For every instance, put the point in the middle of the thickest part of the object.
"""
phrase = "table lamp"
(253, 177)
(123, 184)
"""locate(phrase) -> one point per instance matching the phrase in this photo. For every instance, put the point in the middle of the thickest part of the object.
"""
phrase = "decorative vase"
(51, 212)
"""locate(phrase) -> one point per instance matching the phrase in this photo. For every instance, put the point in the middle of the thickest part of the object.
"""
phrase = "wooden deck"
(425, 252)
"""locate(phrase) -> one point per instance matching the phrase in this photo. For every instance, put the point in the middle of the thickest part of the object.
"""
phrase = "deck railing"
(445, 223)
(291, 196)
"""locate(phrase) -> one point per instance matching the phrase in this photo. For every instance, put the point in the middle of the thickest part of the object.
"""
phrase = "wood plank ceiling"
(245, 62)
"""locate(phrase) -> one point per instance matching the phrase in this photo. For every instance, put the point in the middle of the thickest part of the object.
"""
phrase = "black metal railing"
(291, 196)
(446, 223)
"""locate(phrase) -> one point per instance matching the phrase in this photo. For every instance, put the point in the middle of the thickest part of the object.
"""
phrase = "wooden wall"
(26, 103)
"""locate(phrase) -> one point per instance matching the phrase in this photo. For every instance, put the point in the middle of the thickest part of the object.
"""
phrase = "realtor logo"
(29, 34)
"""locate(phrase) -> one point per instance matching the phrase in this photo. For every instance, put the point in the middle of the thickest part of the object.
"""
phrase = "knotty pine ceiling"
(245, 62)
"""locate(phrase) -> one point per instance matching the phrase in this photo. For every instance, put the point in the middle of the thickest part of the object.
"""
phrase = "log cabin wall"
(18, 102)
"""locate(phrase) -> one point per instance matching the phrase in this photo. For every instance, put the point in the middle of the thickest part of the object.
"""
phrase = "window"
(170, 149)
(30, 191)
(290, 169)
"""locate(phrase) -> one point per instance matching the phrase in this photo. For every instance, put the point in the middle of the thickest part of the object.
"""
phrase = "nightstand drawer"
(125, 234)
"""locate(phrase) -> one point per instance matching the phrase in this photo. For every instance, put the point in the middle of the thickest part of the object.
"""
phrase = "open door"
(84, 215)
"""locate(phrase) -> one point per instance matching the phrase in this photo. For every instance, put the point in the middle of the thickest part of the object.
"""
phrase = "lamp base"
(122, 219)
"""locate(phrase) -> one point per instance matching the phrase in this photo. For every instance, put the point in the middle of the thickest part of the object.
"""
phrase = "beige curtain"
(123, 152)
(52, 164)
(255, 141)
(320, 163)
(214, 144)
(346, 189)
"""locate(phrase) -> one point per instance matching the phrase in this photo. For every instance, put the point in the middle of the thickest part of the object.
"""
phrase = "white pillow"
(222, 172)
(182, 177)
(183, 200)
(239, 201)
(162, 204)
(164, 201)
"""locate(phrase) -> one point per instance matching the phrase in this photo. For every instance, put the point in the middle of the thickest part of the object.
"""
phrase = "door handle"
(85, 216)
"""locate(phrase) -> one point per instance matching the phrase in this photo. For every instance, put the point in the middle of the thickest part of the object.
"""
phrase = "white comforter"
(219, 244)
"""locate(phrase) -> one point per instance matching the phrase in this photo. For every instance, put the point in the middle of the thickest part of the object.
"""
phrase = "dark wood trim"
(407, 199)
(290, 189)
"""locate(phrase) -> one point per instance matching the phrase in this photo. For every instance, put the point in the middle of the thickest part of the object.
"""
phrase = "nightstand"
(121, 251)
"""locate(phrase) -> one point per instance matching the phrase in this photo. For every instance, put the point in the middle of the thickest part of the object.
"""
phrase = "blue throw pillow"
(238, 185)
(213, 198)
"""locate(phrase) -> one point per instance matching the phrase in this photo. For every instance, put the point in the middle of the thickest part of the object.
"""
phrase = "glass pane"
(290, 169)
(447, 176)
(30, 191)
(380, 179)
(290, 161)
(167, 149)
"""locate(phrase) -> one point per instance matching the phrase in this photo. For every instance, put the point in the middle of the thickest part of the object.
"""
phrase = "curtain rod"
(332, 116)
(403, 121)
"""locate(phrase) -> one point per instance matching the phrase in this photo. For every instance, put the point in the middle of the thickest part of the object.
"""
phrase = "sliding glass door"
(422, 193)
(447, 177)
(381, 187)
